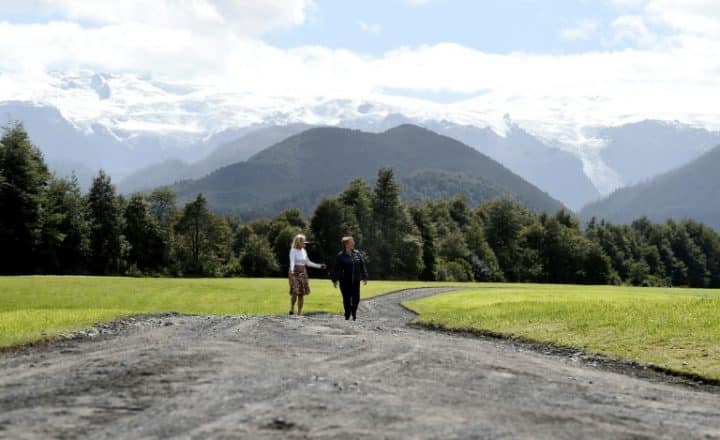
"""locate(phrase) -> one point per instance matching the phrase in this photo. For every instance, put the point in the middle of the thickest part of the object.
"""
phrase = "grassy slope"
(676, 329)
(35, 308)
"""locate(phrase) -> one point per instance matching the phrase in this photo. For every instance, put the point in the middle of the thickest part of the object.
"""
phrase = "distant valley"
(691, 191)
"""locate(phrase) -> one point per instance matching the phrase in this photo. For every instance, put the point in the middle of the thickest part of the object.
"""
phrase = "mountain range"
(321, 161)
(558, 172)
(145, 132)
(71, 149)
(691, 191)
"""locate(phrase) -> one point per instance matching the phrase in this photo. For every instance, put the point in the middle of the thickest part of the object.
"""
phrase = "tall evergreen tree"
(241, 238)
(358, 197)
(66, 228)
(163, 208)
(410, 256)
(597, 267)
(144, 235)
(422, 220)
(504, 222)
(218, 253)
(688, 251)
(162, 204)
(459, 211)
(482, 258)
(107, 243)
(561, 251)
(194, 225)
(389, 221)
(23, 182)
(330, 222)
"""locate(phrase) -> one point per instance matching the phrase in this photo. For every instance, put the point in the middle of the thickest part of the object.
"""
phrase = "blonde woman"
(299, 285)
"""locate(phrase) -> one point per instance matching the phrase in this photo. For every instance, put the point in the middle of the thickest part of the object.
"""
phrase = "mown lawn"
(40, 307)
(677, 329)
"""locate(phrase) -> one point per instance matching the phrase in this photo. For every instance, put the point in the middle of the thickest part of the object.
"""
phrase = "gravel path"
(323, 377)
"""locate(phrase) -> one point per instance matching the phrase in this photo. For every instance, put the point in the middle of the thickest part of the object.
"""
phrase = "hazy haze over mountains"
(639, 151)
(236, 150)
(84, 150)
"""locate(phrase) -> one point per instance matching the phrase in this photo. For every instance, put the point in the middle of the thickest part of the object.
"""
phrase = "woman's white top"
(299, 257)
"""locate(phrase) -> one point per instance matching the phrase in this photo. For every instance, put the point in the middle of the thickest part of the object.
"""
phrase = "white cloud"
(242, 17)
(669, 22)
(679, 82)
(371, 28)
(581, 31)
(634, 29)
(694, 17)
(234, 78)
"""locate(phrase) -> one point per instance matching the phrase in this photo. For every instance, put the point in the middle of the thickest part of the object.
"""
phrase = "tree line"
(47, 225)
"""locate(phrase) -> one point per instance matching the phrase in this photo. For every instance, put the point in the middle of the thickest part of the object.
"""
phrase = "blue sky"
(377, 26)
(532, 26)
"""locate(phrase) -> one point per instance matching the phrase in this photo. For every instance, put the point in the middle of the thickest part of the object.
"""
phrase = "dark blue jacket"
(349, 268)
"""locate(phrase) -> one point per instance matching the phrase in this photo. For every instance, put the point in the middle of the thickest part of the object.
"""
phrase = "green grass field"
(677, 329)
(41, 307)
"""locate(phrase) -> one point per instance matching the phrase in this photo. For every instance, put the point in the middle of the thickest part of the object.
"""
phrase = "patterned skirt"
(299, 285)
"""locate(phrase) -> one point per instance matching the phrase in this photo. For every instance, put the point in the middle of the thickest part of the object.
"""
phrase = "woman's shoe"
(291, 312)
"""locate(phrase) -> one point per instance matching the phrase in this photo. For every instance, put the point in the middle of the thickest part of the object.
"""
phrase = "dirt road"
(324, 377)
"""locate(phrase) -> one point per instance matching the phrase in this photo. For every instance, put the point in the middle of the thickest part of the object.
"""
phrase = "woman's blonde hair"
(300, 238)
(345, 240)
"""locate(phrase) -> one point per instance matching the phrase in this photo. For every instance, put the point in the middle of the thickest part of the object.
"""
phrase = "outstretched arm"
(315, 265)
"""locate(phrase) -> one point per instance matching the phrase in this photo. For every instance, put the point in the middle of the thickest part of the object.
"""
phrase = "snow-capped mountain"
(125, 122)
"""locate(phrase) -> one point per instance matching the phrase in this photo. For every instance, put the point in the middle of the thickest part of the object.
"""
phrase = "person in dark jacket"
(349, 270)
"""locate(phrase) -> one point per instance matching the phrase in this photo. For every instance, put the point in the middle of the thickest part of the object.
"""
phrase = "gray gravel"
(323, 377)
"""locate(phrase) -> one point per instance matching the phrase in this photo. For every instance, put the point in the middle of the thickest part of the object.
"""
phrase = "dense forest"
(47, 225)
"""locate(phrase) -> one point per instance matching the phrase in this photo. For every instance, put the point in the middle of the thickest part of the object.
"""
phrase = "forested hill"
(325, 159)
(691, 191)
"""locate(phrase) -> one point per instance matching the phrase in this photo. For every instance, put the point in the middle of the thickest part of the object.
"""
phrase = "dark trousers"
(351, 297)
